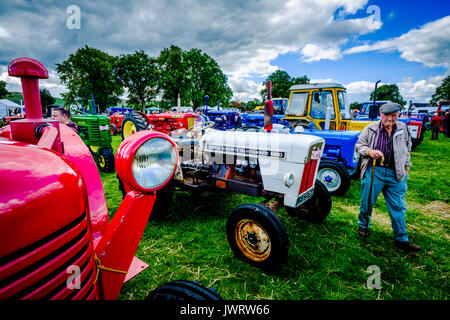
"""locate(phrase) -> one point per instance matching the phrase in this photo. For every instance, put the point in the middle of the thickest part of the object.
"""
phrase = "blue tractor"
(256, 118)
(223, 118)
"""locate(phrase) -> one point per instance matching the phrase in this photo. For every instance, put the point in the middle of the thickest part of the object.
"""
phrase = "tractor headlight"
(153, 163)
(146, 160)
(288, 179)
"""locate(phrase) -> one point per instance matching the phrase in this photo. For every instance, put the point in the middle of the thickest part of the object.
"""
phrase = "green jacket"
(401, 145)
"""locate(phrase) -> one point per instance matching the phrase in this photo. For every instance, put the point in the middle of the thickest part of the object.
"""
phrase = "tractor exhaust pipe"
(268, 109)
(29, 71)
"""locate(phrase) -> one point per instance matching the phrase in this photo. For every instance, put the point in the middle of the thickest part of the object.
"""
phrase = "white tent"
(5, 106)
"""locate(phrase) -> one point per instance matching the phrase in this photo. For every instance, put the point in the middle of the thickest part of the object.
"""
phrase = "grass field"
(325, 261)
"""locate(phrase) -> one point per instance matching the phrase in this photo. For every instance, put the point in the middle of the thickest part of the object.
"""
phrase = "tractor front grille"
(309, 174)
(43, 269)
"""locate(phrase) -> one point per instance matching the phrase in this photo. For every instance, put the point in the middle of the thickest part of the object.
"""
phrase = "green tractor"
(95, 130)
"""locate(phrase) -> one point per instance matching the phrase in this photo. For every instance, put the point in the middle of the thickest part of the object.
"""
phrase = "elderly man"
(62, 116)
(390, 140)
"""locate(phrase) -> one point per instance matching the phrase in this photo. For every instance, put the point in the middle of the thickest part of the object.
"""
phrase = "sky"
(351, 42)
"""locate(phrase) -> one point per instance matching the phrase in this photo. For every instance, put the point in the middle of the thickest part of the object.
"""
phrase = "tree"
(139, 73)
(173, 79)
(46, 99)
(389, 92)
(355, 105)
(192, 74)
(3, 92)
(253, 104)
(281, 83)
(442, 92)
(206, 78)
(87, 71)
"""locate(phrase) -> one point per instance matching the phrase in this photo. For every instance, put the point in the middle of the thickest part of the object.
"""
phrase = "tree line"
(190, 74)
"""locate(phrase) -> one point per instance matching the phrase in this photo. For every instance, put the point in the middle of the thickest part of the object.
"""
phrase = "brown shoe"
(363, 232)
(407, 246)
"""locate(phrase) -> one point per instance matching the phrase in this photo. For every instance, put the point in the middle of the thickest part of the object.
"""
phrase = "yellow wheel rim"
(128, 129)
(101, 161)
(253, 240)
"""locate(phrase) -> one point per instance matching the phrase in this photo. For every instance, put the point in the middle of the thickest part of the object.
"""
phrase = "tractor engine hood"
(40, 193)
(288, 163)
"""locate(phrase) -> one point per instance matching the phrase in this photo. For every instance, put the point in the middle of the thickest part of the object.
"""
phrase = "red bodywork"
(169, 121)
(163, 122)
(53, 214)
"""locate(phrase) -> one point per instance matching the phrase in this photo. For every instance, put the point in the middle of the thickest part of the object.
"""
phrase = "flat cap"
(390, 107)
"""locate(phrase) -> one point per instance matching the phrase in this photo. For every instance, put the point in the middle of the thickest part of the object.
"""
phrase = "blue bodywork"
(223, 119)
(339, 146)
(112, 110)
(257, 119)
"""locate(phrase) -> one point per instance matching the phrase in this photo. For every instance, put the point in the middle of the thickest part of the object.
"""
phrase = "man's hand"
(375, 154)
(407, 170)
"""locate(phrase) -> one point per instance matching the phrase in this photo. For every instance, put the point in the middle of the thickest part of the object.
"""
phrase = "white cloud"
(430, 44)
(312, 52)
(242, 36)
(417, 91)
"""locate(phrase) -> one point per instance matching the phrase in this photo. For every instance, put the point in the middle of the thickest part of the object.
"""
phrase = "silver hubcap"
(330, 178)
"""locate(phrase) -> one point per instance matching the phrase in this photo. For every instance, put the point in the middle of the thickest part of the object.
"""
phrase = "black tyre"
(114, 130)
(183, 290)
(105, 159)
(334, 176)
(255, 233)
(133, 122)
(315, 209)
(164, 198)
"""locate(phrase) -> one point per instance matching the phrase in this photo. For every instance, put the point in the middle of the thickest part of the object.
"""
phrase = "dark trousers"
(434, 132)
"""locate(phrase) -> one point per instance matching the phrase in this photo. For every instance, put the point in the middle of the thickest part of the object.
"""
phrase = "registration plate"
(304, 197)
(104, 127)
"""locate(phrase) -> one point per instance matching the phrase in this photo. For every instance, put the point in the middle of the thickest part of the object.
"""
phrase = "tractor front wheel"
(183, 290)
(315, 209)
(132, 123)
(105, 158)
(334, 176)
(255, 232)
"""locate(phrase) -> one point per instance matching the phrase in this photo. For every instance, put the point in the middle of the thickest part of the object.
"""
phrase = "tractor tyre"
(105, 159)
(334, 176)
(114, 130)
(255, 233)
(133, 122)
(315, 209)
(183, 290)
(164, 198)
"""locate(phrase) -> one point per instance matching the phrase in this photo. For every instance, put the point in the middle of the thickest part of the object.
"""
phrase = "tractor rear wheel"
(132, 123)
(114, 130)
(105, 158)
(183, 290)
(334, 176)
(255, 233)
(315, 209)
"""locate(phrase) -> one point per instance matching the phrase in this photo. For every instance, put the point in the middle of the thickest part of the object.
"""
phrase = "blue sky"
(343, 41)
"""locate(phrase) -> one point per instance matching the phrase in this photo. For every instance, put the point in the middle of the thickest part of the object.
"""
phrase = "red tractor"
(164, 122)
(56, 241)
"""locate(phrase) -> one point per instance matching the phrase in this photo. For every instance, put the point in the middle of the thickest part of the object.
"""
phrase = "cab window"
(320, 101)
(344, 105)
(297, 103)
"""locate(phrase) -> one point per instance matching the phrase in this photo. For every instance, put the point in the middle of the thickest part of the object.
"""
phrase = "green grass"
(325, 261)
